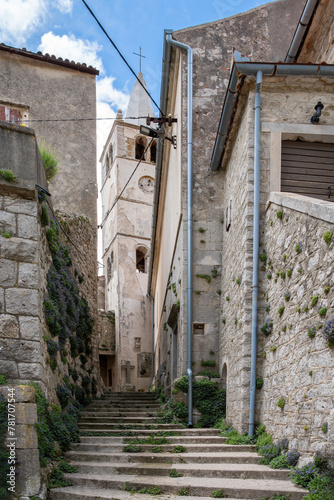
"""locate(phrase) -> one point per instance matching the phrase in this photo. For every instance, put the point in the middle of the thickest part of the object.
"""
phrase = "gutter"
(243, 69)
(239, 71)
(152, 334)
(166, 60)
(187, 48)
(301, 31)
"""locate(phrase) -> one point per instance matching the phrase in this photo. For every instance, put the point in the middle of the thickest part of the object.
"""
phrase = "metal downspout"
(189, 51)
(256, 231)
(152, 334)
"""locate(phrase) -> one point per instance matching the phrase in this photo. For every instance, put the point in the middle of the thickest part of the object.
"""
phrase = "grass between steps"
(317, 476)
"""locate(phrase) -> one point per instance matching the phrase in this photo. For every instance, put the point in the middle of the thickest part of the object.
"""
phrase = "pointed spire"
(139, 103)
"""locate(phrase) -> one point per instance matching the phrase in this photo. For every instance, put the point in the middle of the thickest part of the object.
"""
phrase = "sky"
(66, 29)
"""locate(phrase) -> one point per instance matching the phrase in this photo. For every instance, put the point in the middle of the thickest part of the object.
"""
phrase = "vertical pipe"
(152, 334)
(189, 51)
(256, 230)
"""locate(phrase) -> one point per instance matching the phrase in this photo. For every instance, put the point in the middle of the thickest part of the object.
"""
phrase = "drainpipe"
(256, 231)
(152, 333)
(189, 51)
(301, 31)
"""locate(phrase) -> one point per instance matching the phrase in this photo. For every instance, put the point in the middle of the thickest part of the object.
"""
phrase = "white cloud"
(72, 48)
(65, 6)
(106, 92)
(19, 18)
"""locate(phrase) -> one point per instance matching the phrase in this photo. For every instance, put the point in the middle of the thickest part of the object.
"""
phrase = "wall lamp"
(152, 132)
(318, 108)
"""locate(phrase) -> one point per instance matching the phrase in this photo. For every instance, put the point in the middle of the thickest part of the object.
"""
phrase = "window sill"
(319, 209)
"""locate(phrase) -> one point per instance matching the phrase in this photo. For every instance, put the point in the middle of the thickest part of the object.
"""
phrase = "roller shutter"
(307, 168)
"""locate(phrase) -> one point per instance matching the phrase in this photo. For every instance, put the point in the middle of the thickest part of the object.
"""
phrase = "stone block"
(20, 206)
(22, 301)
(26, 437)
(26, 413)
(27, 227)
(30, 328)
(8, 368)
(18, 350)
(30, 370)
(9, 326)
(28, 275)
(8, 272)
(19, 249)
(28, 479)
(8, 222)
(25, 394)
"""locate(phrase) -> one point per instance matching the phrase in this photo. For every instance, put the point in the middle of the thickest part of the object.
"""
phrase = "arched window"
(141, 259)
(154, 152)
(111, 155)
(140, 148)
(110, 266)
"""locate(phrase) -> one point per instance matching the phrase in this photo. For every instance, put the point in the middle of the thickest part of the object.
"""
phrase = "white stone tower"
(126, 238)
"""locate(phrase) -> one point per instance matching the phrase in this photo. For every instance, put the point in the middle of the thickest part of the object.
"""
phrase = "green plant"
(7, 175)
(326, 289)
(299, 270)
(281, 403)
(151, 490)
(289, 273)
(287, 296)
(282, 275)
(267, 328)
(328, 331)
(198, 292)
(183, 492)
(310, 373)
(175, 473)
(49, 160)
(269, 276)
(238, 281)
(328, 237)
(280, 310)
(227, 298)
(219, 292)
(66, 467)
(214, 272)
(6, 234)
(224, 321)
(279, 462)
(311, 333)
(157, 449)
(57, 479)
(179, 449)
(218, 494)
(273, 348)
(323, 311)
(324, 428)
(209, 362)
(279, 214)
(263, 257)
(132, 448)
(201, 230)
(314, 300)
(3, 380)
(207, 277)
(259, 383)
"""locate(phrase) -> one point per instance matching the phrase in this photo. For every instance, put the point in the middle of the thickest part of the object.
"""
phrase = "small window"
(141, 260)
(110, 266)
(198, 328)
(111, 156)
(140, 148)
(154, 152)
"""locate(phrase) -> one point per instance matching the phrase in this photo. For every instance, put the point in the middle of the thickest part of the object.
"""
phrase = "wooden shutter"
(307, 168)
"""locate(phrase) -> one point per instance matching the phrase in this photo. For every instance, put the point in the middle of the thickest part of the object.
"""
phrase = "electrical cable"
(119, 52)
(129, 179)
(79, 119)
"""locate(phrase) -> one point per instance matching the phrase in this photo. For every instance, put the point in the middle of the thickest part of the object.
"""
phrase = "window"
(154, 152)
(140, 148)
(12, 113)
(141, 260)
(111, 156)
(307, 168)
(110, 266)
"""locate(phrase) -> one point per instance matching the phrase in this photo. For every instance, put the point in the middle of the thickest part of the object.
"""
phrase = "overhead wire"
(129, 179)
(121, 55)
(78, 119)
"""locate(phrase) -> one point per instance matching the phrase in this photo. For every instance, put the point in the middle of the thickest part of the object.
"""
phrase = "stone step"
(118, 420)
(233, 457)
(223, 470)
(191, 448)
(185, 440)
(79, 493)
(105, 427)
(104, 412)
(198, 486)
(149, 432)
(121, 406)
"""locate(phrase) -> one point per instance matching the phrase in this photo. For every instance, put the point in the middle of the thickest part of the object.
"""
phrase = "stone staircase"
(207, 465)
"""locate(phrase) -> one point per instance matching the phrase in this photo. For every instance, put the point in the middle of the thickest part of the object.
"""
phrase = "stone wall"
(294, 358)
(22, 439)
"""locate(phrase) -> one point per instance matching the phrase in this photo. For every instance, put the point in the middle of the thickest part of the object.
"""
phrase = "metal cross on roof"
(140, 58)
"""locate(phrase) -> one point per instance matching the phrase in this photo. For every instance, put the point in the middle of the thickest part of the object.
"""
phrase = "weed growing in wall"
(49, 160)
(7, 175)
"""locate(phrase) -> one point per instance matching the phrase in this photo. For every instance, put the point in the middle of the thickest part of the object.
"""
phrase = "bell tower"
(127, 198)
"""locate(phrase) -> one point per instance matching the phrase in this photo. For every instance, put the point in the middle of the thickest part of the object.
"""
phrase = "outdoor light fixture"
(318, 108)
(152, 132)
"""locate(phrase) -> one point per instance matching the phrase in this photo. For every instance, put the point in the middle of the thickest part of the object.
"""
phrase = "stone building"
(127, 194)
(48, 282)
(294, 365)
